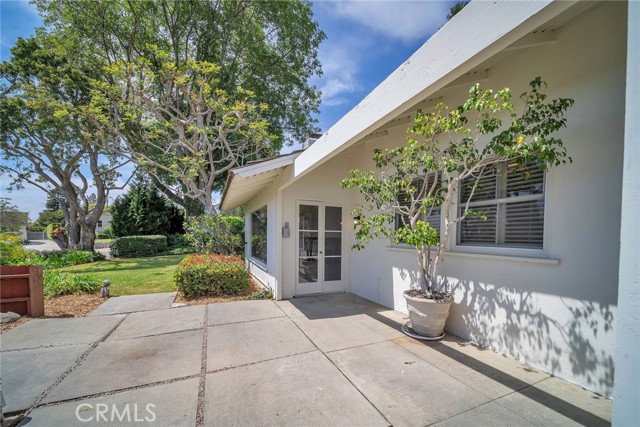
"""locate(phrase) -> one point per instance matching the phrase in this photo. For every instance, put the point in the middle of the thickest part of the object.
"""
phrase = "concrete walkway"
(334, 360)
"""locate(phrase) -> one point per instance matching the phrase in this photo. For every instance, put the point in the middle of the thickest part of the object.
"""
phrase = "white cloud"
(404, 20)
(340, 66)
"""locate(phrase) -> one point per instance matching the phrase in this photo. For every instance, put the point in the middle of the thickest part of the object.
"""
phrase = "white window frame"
(504, 250)
(254, 259)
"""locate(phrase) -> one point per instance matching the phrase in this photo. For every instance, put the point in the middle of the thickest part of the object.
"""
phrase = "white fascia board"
(266, 166)
(250, 179)
(479, 31)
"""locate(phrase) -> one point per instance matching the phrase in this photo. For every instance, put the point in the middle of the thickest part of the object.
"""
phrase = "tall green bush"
(220, 234)
(138, 246)
(143, 211)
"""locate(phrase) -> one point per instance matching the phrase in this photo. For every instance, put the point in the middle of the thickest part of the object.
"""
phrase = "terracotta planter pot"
(427, 316)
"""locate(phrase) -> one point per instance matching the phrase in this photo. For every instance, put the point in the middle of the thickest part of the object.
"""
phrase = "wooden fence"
(21, 290)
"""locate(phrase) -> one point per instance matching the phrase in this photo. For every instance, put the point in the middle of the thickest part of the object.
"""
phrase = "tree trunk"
(73, 232)
(61, 241)
(87, 238)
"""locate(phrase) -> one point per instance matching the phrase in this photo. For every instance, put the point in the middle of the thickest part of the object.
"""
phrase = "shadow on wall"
(560, 338)
(553, 332)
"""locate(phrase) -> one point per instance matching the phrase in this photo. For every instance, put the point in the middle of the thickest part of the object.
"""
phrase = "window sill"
(488, 256)
(258, 263)
(514, 258)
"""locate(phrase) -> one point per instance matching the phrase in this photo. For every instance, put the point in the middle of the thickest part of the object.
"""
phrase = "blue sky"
(366, 41)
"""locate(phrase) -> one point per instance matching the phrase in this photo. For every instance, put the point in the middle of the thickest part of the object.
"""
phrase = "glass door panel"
(308, 244)
(333, 218)
(332, 265)
(308, 218)
(308, 270)
(332, 268)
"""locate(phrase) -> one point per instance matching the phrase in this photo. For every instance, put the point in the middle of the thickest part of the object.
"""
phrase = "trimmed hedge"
(207, 274)
(138, 246)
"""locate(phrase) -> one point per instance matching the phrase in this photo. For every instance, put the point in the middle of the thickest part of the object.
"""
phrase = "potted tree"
(439, 169)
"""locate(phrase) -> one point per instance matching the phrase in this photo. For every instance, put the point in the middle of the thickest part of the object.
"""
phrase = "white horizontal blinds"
(475, 231)
(524, 217)
(485, 190)
(524, 223)
(404, 199)
(512, 198)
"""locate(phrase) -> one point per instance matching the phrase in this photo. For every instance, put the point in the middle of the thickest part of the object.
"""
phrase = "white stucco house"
(104, 221)
(552, 301)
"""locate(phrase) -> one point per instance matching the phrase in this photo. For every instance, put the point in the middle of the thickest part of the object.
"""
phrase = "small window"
(433, 217)
(512, 200)
(259, 234)
(100, 223)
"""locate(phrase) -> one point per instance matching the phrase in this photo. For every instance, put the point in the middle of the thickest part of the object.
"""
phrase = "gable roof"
(246, 181)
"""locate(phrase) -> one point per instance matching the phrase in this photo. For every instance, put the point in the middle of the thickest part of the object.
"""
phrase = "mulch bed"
(63, 306)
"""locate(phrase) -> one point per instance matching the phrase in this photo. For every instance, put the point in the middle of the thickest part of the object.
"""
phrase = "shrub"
(11, 247)
(106, 233)
(214, 234)
(258, 295)
(199, 275)
(138, 246)
(177, 241)
(181, 251)
(55, 259)
(56, 283)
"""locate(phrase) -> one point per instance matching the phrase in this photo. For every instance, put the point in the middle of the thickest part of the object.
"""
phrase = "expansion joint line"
(81, 359)
(203, 370)
(337, 367)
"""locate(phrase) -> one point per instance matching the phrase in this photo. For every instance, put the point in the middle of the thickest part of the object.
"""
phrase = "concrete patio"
(328, 361)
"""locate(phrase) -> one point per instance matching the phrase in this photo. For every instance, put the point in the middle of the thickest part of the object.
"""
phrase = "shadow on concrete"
(530, 391)
(523, 322)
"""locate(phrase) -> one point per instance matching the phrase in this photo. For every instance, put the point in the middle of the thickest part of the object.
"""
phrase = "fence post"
(36, 290)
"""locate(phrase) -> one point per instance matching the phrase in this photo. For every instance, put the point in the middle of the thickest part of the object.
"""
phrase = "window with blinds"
(404, 199)
(512, 199)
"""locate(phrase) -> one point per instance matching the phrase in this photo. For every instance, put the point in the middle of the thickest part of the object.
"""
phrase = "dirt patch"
(72, 305)
(63, 306)
(254, 287)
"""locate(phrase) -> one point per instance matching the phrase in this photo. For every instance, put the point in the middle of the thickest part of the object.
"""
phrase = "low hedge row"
(138, 246)
(208, 274)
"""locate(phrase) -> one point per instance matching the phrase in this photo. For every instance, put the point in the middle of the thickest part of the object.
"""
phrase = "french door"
(319, 266)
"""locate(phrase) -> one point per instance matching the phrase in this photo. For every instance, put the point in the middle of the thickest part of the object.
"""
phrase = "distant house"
(104, 221)
(13, 221)
(539, 282)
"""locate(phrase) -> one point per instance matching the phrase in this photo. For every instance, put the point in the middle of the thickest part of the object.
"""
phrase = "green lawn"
(133, 275)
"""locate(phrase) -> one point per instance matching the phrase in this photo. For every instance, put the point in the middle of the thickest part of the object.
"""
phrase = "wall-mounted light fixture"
(286, 232)
(356, 220)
